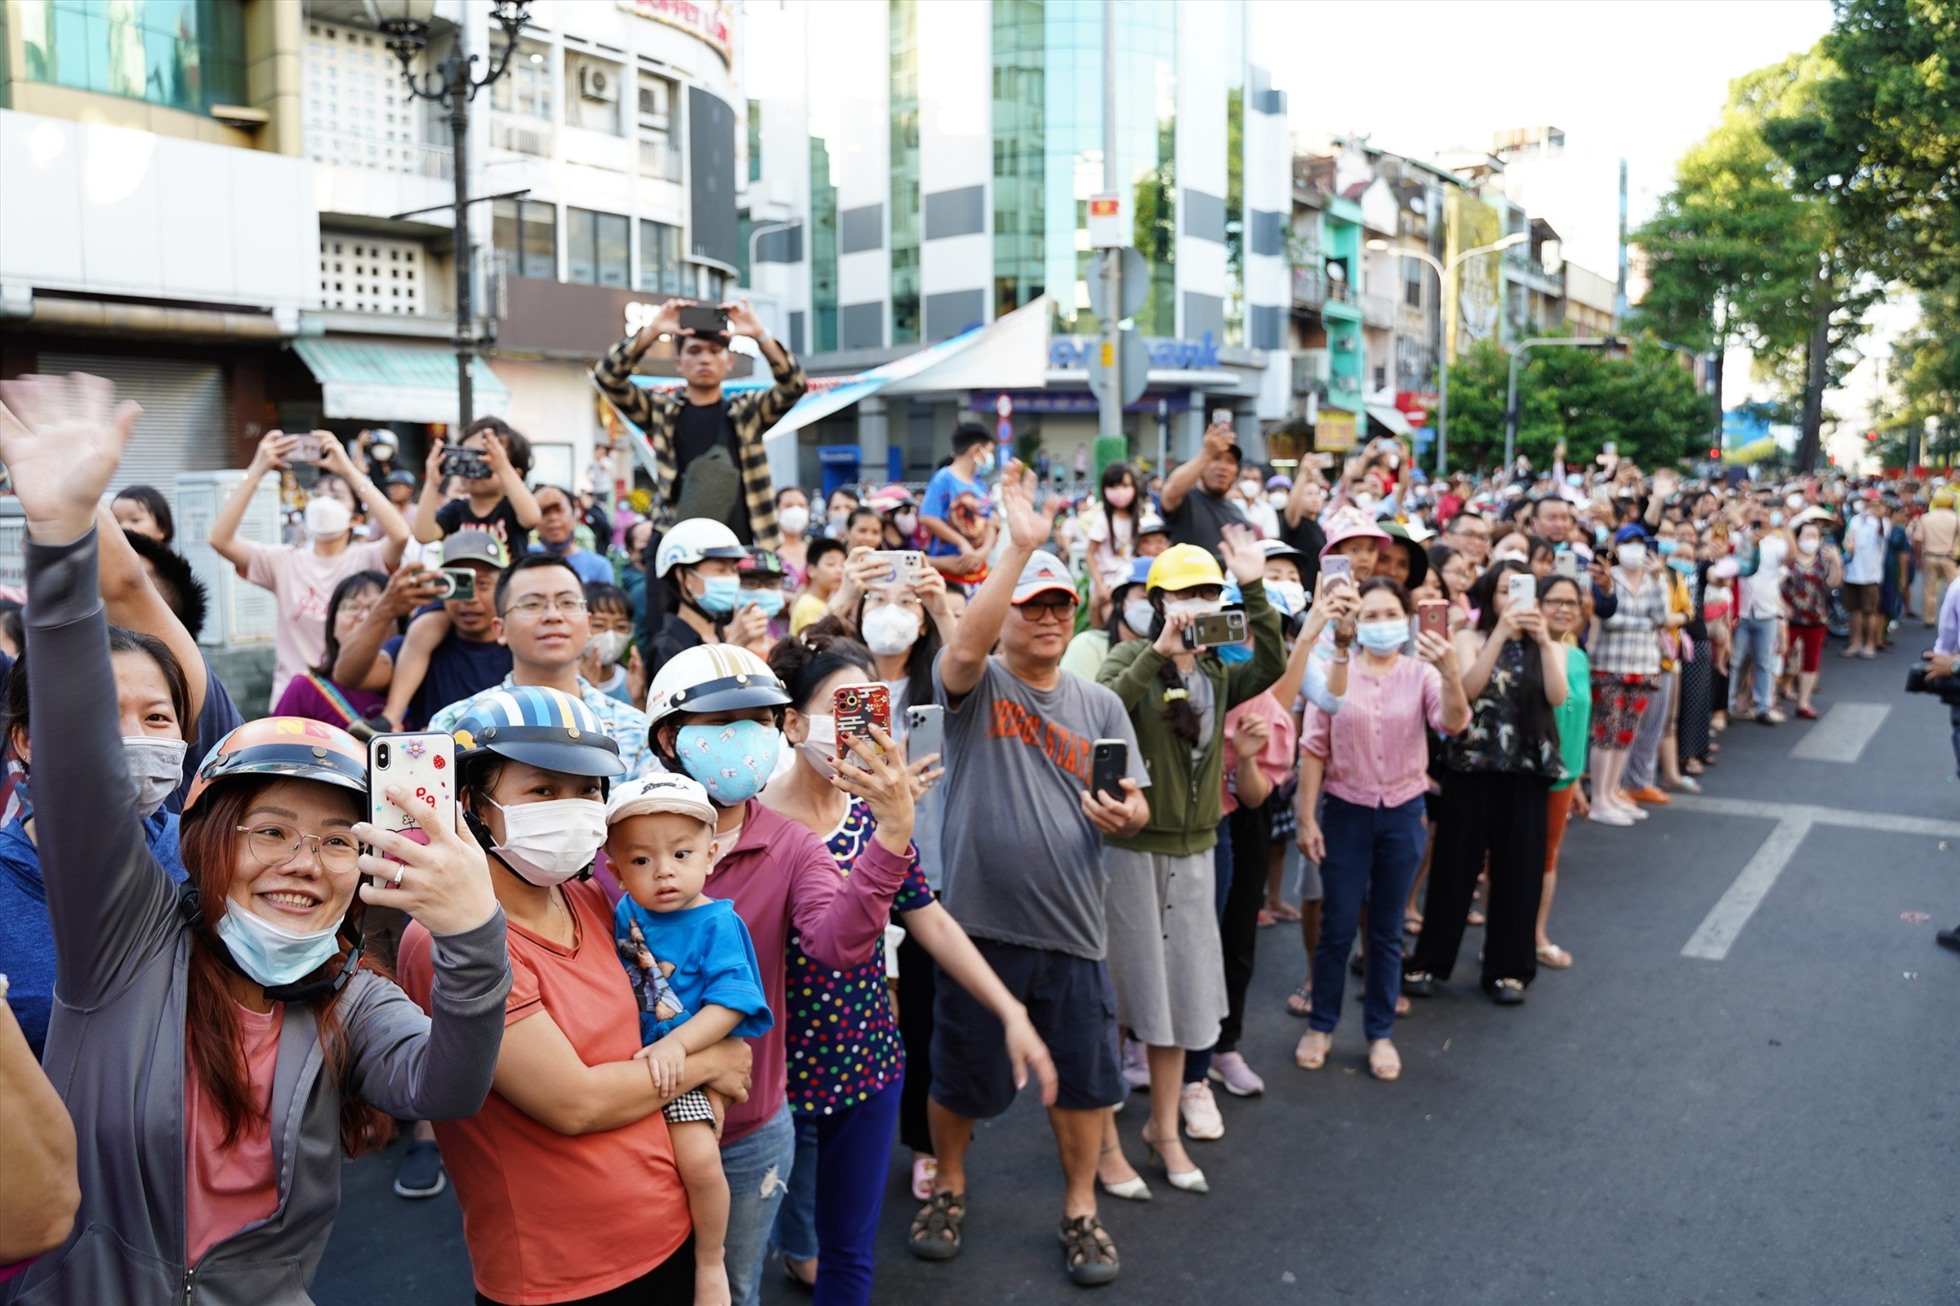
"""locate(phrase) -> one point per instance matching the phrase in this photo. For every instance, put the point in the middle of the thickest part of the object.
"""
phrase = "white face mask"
(820, 743)
(1277, 498)
(327, 518)
(1807, 547)
(1291, 592)
(794, 520)
(1633, 555)
(1249, 490)
(608, 646)
(890, 629)
(1138, 616)
(270, 955)
(157, 767)
(548, 843)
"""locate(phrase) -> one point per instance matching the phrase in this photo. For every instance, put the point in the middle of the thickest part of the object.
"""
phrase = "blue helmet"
(545, 728)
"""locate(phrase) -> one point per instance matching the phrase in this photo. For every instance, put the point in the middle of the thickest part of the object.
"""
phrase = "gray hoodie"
(116, 1044)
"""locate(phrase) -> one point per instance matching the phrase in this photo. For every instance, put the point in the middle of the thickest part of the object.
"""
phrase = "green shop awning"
(396, 381)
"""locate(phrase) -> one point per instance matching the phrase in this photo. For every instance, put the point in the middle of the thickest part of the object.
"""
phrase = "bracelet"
(1339, 659)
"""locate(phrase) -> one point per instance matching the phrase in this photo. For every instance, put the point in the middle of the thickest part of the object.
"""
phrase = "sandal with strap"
(1089, 1252)
(936, 1228)
(1384, 1063)
(1300, 1002)
(1312, 1056)
(1550, 954)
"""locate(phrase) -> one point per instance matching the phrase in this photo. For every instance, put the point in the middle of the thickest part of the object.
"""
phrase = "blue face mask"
(1382, 636)
(270, 955)
(1686, 566)
(732, 761)
(1233, 654)
(719, 595)
(767, 602)
(983, 462)
(1663, 547)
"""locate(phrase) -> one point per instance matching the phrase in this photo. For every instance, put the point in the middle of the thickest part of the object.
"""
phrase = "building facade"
(919, 169)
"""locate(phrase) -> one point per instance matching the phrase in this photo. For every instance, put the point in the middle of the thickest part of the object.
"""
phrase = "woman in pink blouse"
(1371, 759)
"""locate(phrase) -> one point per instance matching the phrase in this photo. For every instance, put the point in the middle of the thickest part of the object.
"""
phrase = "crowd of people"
(788, 836)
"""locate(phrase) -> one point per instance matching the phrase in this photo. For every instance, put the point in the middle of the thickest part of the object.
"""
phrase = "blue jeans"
(837, 1193)
(758, 1167)
(1755, 643)
(1372, 857)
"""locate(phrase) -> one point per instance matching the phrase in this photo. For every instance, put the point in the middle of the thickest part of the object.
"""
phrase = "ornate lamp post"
(454, 81)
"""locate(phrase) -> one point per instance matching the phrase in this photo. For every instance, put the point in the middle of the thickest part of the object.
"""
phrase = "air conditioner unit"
(596, 83)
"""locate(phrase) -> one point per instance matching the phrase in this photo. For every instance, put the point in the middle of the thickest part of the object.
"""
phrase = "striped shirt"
(623, 723)
(1376, 751)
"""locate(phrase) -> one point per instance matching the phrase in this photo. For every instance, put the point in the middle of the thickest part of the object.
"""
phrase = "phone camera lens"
(381, 756)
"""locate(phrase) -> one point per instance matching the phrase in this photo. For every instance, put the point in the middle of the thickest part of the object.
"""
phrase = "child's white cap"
(664, 792)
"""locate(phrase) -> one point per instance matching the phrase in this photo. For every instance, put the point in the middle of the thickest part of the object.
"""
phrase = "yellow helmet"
(1183, 567)
(1942, 498)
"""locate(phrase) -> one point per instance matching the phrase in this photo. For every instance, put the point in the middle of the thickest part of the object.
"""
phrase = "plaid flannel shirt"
(1629, 641)
(655, 411)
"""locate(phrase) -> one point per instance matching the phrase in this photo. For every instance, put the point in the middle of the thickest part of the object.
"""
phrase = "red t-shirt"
(547, 1217)
(226, 1189)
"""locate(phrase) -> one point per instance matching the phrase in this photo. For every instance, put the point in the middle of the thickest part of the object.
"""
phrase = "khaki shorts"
(1861, 598)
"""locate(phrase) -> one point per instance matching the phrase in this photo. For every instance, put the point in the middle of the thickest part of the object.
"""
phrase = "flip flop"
(1550, 954)
(1304, 1008)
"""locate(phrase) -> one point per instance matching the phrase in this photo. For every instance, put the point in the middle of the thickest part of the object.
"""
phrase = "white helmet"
(694, 539)
(712, 678)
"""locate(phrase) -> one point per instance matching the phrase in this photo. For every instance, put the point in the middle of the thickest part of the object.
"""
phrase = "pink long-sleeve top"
(780, 874)
(1375, 750)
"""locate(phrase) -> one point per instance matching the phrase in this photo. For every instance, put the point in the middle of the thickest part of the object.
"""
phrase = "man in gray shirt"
(1023, 845)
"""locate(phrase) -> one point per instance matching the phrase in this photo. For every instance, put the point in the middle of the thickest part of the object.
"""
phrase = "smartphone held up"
(419, 766)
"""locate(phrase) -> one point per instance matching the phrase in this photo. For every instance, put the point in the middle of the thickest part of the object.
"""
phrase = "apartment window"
(595, 248)
(659, 123)
(1412, 271)
(525, 233)
(182, 56)
(1381, 378)
(592, 95)
(526, 88)
(660, 258)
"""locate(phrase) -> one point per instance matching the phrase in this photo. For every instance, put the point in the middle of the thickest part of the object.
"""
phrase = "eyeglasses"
(1040, 612)
(1560, 603)
(537, 607)
(275, 845)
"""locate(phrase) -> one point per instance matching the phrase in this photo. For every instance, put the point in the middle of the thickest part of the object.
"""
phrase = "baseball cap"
(1044, 572)
(663, 792)
(474, 546)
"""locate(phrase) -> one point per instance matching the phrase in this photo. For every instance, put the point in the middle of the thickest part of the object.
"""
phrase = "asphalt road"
(1780, 1125)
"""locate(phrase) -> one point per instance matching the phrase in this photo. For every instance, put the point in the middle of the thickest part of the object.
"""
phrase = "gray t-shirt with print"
(1022, 863)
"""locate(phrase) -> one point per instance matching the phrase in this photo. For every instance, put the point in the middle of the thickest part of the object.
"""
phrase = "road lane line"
(1843, 733)
(1882, 821)
(1718, 930)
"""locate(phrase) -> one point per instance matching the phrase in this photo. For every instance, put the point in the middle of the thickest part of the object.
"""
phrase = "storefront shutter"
(186, 423)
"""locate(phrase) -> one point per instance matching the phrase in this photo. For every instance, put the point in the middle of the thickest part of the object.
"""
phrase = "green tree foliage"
(1644, 400)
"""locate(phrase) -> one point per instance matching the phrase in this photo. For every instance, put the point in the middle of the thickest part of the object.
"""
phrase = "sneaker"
(1200, 1110)
(420, 1173)
(1609, 816)
(1136, 1065)
(1773, 717)
(1627, 807)
(1230, 1069)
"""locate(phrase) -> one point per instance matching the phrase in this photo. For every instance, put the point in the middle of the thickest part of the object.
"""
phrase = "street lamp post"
(1443, 274)
(767, 229)
(1511, 388)
(454, 81)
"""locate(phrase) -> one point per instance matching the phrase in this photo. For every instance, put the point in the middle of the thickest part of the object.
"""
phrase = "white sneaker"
(1609, 816)
(1200, 1110)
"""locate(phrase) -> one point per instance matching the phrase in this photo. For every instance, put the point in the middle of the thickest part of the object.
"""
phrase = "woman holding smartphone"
(566, 1177)
(847, 1092)
(1496, 774)
(1165, 958)
(1563, 602)
(189, 1022)
(1371, 759)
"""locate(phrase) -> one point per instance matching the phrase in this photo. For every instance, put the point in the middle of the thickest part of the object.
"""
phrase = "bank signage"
(1078, 352)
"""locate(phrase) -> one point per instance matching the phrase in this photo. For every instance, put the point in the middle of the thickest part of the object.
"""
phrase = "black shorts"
(1072, 1006)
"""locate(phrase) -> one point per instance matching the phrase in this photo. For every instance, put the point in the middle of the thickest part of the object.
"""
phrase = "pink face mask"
(1120, 496)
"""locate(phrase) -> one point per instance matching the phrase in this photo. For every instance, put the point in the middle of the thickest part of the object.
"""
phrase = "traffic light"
(1871, 437)
(1714, 455)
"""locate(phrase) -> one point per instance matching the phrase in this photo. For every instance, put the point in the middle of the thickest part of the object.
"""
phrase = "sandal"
(795, 1275)
(936, 1228)
(1474, 918)
(1550, 954)
(1090, 1253)
(1300, 1002)
(1312, 1058)
(1384, 1063)
(1284, 911)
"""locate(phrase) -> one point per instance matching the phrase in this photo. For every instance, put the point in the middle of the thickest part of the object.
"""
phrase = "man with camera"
(708, 457)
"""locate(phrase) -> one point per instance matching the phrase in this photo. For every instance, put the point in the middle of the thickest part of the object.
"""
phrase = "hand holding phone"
(856, 710)
(1336, 569)
(1109, 764)
(704, 320)
(421, 766)
(1433, 616)
(1523, 589)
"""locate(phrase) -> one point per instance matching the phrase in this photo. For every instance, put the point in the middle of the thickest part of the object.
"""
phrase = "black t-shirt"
(457, 515)
(458, 668)
(1200, 519)
(1309, 539)
(699, 428)
(673, 637)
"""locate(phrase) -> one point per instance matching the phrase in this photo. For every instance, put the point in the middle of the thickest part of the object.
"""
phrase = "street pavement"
(1747, 1088)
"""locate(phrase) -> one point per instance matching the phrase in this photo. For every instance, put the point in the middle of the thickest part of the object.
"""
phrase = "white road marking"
(1884, 821)
(1842, 734)
(1718, 930)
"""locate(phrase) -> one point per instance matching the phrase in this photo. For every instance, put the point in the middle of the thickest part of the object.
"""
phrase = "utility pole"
(1110, 259)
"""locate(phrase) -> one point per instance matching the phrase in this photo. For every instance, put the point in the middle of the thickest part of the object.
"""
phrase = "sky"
(1636, 79)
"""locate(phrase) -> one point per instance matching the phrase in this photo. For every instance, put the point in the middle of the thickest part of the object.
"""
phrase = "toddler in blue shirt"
(694, 973)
